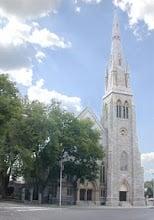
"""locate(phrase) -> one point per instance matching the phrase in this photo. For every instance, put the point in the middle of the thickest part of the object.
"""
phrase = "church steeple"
(117, 58)
(124, 174)
(117, 77)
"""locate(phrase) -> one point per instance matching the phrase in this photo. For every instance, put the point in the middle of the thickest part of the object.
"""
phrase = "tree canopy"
(149, 186)
(9, 102)
(37, 137)
(10, 114)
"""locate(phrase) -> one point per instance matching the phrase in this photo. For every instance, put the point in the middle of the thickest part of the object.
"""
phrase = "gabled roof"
(88, 113)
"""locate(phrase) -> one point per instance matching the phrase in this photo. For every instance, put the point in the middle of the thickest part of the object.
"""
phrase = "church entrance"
(122, 196)
(87, 193)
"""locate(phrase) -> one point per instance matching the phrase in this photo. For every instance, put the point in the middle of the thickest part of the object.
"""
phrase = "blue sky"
(61, 51)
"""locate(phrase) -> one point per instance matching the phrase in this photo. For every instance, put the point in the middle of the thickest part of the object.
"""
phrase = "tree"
(35, 138)
(148, 185)
(10, 105)
(10, 113)
(78, 144)
(84, 152)
(49, 133)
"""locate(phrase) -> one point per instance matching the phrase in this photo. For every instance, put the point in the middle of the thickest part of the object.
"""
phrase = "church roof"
(87, 113)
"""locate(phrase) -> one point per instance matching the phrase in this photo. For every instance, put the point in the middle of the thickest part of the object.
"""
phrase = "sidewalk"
(19, 204)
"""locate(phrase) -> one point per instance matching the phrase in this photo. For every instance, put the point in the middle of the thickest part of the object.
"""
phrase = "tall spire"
(117, 58)
(117, 77)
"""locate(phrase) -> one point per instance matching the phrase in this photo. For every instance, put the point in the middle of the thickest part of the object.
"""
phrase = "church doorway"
(123, 193)
(122, 196)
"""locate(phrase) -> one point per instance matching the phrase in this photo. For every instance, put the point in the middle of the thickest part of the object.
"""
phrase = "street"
(10, 211)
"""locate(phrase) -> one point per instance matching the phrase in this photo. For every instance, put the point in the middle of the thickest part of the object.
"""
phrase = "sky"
(60, 49)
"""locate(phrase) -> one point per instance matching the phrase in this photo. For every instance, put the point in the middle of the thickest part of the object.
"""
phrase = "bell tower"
(124, 174)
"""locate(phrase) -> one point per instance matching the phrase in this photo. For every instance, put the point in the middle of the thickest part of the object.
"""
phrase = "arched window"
(118, 109)
(124, 161)
(125, 110)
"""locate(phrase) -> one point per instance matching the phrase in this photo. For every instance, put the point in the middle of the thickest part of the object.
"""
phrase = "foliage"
(36, 137)
(58, 135)
(10, 114)
(83, 150)
(9, 102)
(39, 153)
(148, 185)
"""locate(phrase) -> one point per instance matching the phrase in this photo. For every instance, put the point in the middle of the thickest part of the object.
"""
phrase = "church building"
(122, 179)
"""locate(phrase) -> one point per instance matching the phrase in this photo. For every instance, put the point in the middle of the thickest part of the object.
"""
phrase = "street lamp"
(63, 159)
(60, 180)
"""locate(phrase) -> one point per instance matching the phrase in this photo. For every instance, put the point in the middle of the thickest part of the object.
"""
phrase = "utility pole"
(60, 180)
(62, 160)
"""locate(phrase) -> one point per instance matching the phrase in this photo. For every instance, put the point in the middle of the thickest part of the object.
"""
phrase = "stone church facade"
(121, 179)
(124, 174)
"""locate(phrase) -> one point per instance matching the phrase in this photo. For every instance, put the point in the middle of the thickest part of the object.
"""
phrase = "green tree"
(148, 185)
(84, 151)
(35, 137)
(39, 146)
(10, 114)
(78, 145)
(10, 103)
(49, 134)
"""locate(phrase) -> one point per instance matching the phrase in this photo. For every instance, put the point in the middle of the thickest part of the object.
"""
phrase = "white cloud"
(22, 40)
(138, 10)
(22, 76)
(14, 33)
(27, 8)
(45, 38)
(78, 9)
(37, 92)
(40, 56)
(17, 33)
(148, 164)
(148, 157)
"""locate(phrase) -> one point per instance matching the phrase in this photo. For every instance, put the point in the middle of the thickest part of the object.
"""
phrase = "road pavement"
(10, 211)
